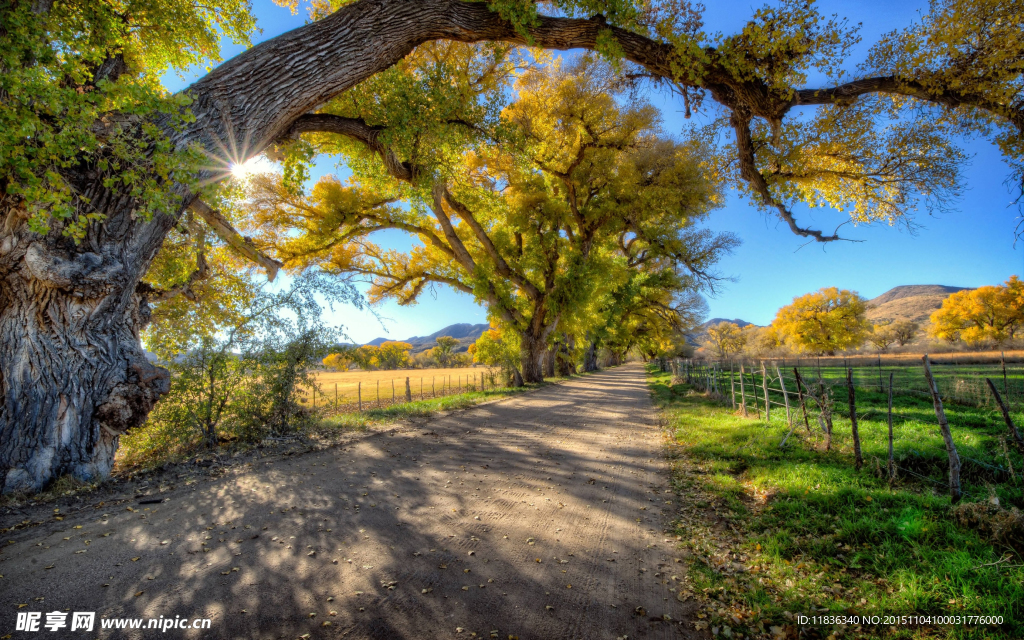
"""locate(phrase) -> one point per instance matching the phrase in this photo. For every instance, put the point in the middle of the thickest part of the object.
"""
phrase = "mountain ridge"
(465, 332)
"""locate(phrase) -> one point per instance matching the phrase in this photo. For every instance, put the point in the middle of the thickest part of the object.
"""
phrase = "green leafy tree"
(444, 352)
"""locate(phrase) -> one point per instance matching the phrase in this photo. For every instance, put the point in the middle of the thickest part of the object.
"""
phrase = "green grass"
(808, 520)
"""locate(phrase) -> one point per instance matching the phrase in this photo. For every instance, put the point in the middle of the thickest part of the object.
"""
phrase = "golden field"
(424, 383)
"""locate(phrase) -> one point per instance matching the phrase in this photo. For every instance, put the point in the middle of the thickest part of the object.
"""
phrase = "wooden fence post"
(433, 392)
(314, 397)
(335, 395)
(421, 387)
(879, 373)
(1002, 361)
(392, 390)
(743, 392)
(767, 398)
(753, 388)
(785, 394)
(858, 459)
(378, 392)
(1018, 441)
(732, 386)
(954, 458)
(359, 390)
(408, 390)
(892, 462)
(800, 394)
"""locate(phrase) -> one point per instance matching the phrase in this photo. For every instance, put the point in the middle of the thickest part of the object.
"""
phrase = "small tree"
(882, 335)
(338, 361)
(444, 352)
(905, 331)
(724, 339)
(825, 321)
(499, 348)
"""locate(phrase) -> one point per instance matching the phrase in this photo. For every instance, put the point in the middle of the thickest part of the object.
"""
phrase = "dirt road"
(537, 517)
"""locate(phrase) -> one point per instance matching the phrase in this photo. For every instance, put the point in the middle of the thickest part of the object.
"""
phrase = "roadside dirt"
(542, 516)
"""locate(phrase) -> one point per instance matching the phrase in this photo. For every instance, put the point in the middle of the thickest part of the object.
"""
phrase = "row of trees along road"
(544, 208)
(100, 165)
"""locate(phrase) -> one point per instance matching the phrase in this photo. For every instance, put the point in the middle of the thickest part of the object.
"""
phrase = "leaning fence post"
(743, 392)
(767, 398)
(1018, 441)
(954, 458)
(800, 394)
(785, 394)
(858, 459)
(892, 462)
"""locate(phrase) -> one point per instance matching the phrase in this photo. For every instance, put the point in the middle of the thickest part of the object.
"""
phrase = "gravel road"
(542, 516)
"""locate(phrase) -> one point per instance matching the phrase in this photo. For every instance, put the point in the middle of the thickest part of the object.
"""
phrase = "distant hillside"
(714, 321)
(914, 302)
(466, 333)
(696, 338)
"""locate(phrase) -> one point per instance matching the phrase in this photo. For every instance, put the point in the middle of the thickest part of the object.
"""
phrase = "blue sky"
(970, 245)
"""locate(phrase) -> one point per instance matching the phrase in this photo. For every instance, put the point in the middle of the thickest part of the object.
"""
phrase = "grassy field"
(424, 383)
(778, 533)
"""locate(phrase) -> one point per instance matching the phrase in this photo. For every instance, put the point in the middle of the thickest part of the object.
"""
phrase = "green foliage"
(498, 348)
(444, 352)
(79, 82)
(241, 381)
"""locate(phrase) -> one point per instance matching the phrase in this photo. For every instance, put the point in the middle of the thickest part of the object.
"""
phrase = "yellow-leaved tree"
(991, 314)
(724, 339)
(825, 321)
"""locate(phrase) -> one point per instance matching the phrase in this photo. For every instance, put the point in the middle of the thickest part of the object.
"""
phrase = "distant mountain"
(466, 333)
(714, 321)
(914, 302)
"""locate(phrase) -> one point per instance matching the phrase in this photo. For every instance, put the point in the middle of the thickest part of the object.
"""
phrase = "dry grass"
(424, 383)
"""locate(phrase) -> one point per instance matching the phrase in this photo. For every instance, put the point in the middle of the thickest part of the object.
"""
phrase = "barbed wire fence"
(802, 387)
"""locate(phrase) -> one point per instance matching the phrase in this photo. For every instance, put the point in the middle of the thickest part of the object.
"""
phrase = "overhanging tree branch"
(234, 239)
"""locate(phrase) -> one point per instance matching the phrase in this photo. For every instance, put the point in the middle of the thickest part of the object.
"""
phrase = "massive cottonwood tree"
(83, 215)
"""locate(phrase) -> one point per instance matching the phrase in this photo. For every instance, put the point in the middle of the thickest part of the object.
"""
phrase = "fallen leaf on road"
(139, 593)
(136, 559)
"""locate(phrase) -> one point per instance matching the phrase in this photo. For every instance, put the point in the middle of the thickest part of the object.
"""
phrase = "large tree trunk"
(73, 376)
(566, 365)
(530, 357)
(590, 356)
(549, 361)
